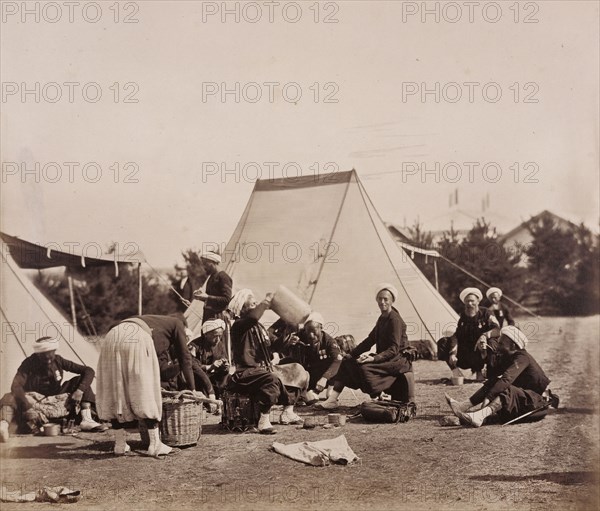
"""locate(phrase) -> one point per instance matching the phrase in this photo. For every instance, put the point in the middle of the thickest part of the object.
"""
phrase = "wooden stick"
(527, 414)
(187, 394)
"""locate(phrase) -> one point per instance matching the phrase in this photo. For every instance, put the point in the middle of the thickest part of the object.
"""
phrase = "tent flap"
(36, 257)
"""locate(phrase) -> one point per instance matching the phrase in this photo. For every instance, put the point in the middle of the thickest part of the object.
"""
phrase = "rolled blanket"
(53, 407)
(292, 375)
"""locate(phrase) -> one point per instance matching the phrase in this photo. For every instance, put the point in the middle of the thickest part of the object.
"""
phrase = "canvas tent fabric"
(322, 238)
(193, 315)
(30, 255)
(26, 315)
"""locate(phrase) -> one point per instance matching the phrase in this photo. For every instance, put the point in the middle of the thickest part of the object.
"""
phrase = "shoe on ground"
(265, 427)
(290, 418)
(469, 419)
(456, 406)
(121, 450)
(4, 432)
(311, 398)
(161, 450)
(329, 404)
(552, 398)
(91, 425)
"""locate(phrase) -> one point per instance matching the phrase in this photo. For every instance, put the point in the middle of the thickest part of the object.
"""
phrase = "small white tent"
(26, 315)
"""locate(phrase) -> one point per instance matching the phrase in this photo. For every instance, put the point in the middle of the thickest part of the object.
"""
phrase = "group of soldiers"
(283, 365)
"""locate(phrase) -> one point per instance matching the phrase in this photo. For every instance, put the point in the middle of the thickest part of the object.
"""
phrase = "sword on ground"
(553, 402)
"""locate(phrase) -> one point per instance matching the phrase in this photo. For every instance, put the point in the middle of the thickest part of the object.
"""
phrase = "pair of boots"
(473, 415)
(288, 416)
(156, 447)
(332, 401)
(313, 397)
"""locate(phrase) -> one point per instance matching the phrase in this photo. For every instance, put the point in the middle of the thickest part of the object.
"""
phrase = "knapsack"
(388, 411)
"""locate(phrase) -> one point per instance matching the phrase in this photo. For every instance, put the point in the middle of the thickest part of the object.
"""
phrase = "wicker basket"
(181, 422)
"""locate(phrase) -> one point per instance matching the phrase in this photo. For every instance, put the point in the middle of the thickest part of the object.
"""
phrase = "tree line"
(557, 273)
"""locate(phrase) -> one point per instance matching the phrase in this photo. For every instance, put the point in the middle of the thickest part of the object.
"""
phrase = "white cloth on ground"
(56, 494)
(320, 453)
(128, 376)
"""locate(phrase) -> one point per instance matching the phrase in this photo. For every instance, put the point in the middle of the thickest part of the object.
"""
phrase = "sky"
(147, 122)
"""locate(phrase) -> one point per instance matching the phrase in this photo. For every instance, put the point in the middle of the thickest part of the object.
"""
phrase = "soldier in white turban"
(256, 375)
(211, 357)
(375, 372)
(475, 341)
(498, 309)
(218, 288)
(318, 352)
(43, 374)
(516, 386)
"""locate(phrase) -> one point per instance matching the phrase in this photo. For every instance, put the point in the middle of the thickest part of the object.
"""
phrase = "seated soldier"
(474, 343)
(256, 372)
(43, 373)
(201, 379)
(516, 386)
(498, 309)
(319, 353)
(283, 339)
(211, 357)
(377, 372)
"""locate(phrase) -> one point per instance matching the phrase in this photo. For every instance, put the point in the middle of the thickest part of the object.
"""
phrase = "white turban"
(212, 324)
(470, 291)
(44, 344)
(238, 301)
(518, 337)
(316, 317)
(493, 290)
(387, 287)
(211, 256)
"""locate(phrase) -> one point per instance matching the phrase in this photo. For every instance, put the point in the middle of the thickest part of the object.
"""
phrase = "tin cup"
(51, 429)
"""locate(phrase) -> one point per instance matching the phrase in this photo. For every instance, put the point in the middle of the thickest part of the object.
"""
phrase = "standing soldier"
(217, 295)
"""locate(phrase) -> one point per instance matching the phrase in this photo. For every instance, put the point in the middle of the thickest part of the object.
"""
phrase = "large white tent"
(321, 237)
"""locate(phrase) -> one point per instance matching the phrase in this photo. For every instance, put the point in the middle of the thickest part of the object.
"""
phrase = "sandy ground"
(552, 464)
